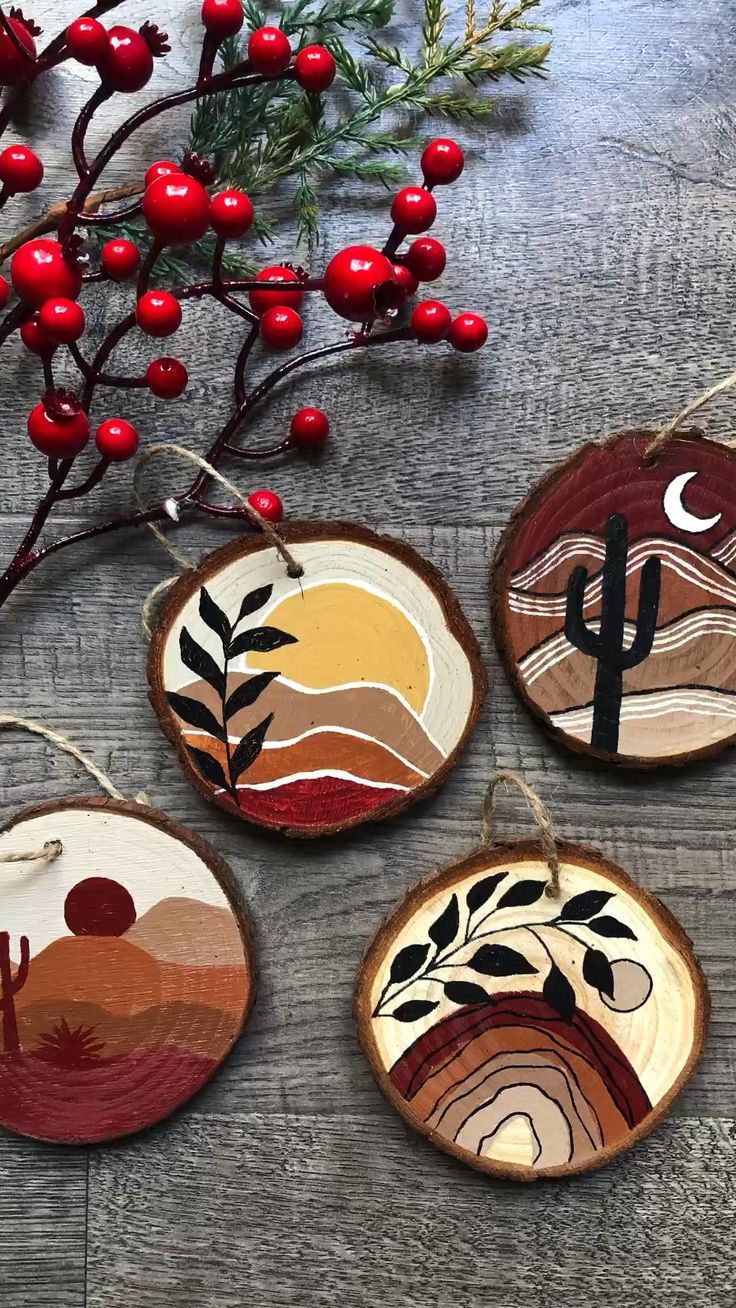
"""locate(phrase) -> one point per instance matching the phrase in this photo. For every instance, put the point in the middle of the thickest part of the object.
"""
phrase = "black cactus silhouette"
(607, 644)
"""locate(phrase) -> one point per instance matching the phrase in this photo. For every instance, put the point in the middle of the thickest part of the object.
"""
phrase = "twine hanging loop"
(663, 437)
(540, 814)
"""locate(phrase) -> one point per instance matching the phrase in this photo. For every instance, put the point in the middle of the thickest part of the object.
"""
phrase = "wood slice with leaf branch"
(526, 1035)
(127, 970)
(614, 600)
(312, 704)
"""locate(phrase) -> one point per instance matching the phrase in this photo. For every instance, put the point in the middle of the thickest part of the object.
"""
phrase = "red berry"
(38, 271)
(61, 320)
(4, 292)
(269, 51)
(15, 68)
(161, 168)
(158, 313)
(281, 328)
(55, 436)
(120, 259)
(352, 279)
(166, 378)
(268, 504)
(117, 440)
(442, 162)
(426, 258)
(262, 300)
(309, 427)
(431, 321)
(231, 214)
(177, 209)
(405, 278)
(34, 338)
(468, 332)
(222, 17)
(315, 68)
(127, 63)
(414, 209)
(87, 40)
(20, 169)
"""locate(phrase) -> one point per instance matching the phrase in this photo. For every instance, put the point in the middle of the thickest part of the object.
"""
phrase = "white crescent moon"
(675, 510)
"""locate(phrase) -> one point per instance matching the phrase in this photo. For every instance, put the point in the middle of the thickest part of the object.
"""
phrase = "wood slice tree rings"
(310, 705)
(526, 1035)
(126, 970)
(614, 600)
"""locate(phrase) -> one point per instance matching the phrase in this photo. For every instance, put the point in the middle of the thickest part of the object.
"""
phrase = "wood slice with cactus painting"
(311, 704)
(531, 1036)
(127, 970)
(614, 600)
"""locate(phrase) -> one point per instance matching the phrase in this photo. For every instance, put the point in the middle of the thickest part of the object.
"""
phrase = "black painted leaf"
(213, 616)
(248, 692)
(408, 962)
(612, 928)
(208, 767)
(255, 599)
(499, 960)
(521, 894)
(465, 992)
(559, 994)
(444, 928)
(200, 662)
(413, 1009)
(481, 892)
(597, 971)
(260, 639)
(195, 714)
(250, 747)
(581, 907)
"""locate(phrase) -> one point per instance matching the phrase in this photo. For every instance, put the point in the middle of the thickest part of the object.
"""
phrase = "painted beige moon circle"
(126, 971)
(313, 704)
(615, 600)
(526, 1035)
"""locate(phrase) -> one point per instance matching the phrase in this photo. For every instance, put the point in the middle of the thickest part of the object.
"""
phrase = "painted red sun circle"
(99, 906)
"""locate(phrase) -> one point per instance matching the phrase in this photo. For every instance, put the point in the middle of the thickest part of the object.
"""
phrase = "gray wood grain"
(594, 226)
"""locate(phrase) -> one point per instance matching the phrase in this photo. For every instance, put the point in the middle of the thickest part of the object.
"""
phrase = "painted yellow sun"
(346, 634)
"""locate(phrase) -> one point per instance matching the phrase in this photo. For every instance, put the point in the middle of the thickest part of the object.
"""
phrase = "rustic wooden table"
(594, 226)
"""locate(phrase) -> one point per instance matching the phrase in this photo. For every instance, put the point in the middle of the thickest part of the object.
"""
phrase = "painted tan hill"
(124, 979)
(201, 1030)
(324, 751)
(657, 723)
(186, 931)
(699, 649)
(368, 709)
(690, 581)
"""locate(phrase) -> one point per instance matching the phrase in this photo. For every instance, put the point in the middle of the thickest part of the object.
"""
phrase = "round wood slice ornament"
(127, 970)
(614, 600)
(310, 704)
(527, 1035)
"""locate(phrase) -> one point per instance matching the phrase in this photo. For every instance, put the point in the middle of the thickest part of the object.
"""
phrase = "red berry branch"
(371, 288)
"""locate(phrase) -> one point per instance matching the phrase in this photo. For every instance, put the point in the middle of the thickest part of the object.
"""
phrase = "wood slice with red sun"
(127, 970)
(614, 600)
(526, 1035)
(310, 705)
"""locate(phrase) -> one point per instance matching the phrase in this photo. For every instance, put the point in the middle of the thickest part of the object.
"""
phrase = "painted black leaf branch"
(260, 640)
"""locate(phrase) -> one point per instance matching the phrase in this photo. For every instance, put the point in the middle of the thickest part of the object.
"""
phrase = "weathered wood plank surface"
(594, 225)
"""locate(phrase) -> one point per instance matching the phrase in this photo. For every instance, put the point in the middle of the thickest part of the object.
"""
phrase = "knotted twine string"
(539, 813)
(655, 447)
(293, 568)
(53, 848)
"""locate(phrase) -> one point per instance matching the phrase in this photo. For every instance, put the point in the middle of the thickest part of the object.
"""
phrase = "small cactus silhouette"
(9, 987)
(607, 644)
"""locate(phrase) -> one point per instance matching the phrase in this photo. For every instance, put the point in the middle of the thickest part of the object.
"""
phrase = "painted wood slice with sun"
(614, 600)
(526, 1035)
(310, 705)
(126, 970)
